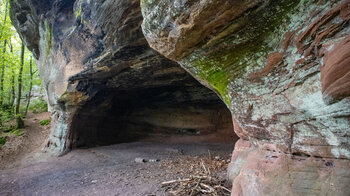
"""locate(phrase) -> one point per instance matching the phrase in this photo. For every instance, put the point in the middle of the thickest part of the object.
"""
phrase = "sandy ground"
(107, 170)
(19, 150)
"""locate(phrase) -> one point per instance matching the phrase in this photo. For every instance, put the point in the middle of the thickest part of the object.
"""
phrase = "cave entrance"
(148, 98)
(176, 113)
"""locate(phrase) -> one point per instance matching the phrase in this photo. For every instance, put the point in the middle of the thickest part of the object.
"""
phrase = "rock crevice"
(105, 84)
(280, 67)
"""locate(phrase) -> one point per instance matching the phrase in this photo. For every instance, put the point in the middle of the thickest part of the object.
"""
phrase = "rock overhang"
(96, 64)
(263, 58)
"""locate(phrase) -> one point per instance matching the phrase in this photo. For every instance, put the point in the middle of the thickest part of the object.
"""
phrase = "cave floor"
(112, 170)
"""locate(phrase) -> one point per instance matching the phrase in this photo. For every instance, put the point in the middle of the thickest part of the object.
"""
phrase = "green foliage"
(38, 106)
(45, 122)
(17, 132)
(10, 52)
(2, 141)
(10, 128)
(6, 114)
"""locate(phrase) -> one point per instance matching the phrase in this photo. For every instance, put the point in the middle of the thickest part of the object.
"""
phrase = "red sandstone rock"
(335, 73)
(323, 27)
(287, 40)
(284, 114)
(283, 118)
(272, 173)
(272, 61)
(104, 83)
(185, 29)
(238, 130)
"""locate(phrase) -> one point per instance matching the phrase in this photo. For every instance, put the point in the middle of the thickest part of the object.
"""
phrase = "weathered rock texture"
(104, 83)
(282, 68)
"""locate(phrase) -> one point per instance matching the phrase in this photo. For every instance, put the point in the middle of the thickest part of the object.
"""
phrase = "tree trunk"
(13, 94)
(30, 86)
(3, 62)
(5, 17)
(19, 120)
(2, 74)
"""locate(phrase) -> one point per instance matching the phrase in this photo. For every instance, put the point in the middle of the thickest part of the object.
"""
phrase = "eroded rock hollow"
(281, 67)
(105, 84)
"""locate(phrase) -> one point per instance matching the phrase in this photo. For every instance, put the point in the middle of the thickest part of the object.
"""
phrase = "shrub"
(6, 115)
(9, 129)
(38, 106)
(2, 141)
(45, 122)
(17, 132)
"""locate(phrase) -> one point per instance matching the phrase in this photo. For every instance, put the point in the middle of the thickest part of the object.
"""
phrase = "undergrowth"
(7, 114)
(2, 141)
(45, 122)
(17, 132)
(38, 106)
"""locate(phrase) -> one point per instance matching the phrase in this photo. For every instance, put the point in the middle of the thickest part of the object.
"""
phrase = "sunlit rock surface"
(104, 83)
(282, 68)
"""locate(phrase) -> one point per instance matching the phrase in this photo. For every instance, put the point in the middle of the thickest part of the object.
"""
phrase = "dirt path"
(111, 170)
(21, 149)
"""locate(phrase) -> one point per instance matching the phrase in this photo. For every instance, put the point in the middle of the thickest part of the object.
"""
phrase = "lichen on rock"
(279, 66)
(265, 61)
(104, 84)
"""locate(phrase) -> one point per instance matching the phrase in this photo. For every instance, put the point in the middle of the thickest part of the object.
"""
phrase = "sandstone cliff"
(281, 67)
(104, 84)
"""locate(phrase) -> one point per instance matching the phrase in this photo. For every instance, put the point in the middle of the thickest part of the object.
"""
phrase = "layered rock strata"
(282, 68)
(104, 84)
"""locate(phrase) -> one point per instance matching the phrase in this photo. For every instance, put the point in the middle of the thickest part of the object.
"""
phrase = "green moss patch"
(48, 37)
(228, 56)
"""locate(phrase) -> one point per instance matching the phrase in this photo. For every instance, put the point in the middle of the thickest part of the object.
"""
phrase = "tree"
(3, 60)
(18, 73)
(30, 85)
(19, 120)
(12, 84)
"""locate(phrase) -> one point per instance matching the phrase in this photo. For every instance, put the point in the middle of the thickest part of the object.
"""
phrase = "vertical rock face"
(104, 83)
(282, 68)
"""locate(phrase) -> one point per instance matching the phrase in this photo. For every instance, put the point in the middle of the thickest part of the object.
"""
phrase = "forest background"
(20, 84)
